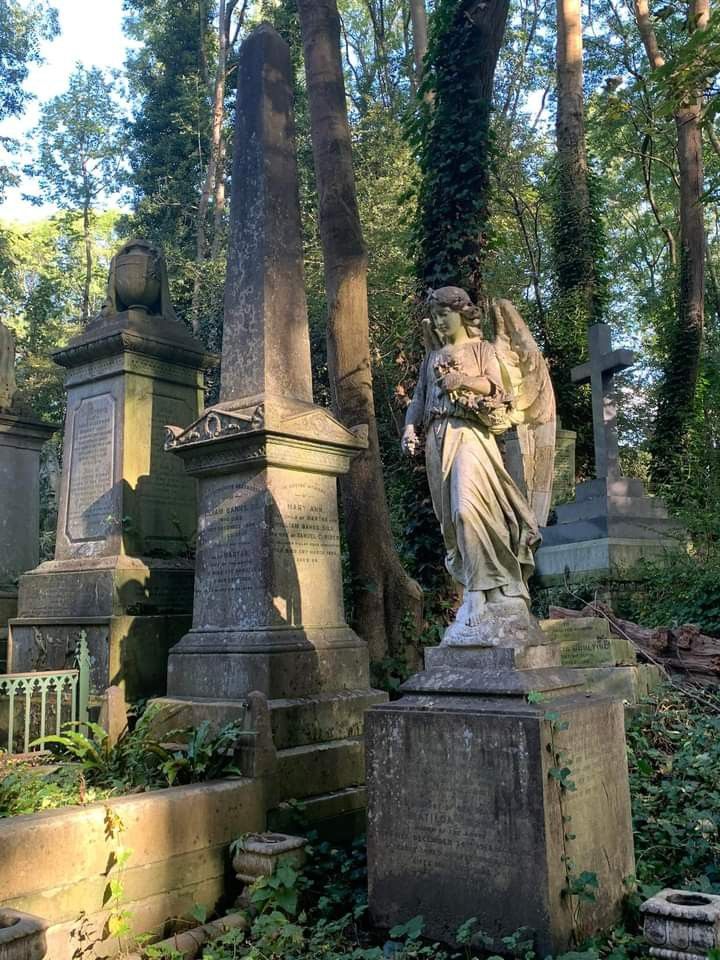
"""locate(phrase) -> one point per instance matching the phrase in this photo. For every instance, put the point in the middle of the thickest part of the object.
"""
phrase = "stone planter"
(681, 925)
(258, 854)
(22, 936)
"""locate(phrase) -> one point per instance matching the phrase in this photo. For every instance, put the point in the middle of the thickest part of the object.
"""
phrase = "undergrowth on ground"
(84, 766)
(674, 760)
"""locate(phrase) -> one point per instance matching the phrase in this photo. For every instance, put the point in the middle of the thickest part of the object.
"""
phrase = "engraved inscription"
(91, 469)
(231, 538)
(308, 530)
(167, 498)
(564, 473)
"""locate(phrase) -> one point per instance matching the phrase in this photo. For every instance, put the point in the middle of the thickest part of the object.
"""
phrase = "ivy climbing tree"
(453, 140)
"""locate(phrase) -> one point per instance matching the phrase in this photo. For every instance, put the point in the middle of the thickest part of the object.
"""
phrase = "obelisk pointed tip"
(265, 29)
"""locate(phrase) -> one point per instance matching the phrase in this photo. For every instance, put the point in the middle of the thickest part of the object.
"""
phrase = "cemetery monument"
(268, 612)
(612, 522)
(122, 572)
(467, 812)
(21, 440)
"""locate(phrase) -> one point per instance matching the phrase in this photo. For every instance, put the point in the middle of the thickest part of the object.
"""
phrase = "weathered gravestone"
(608, 663)
(470, 811)
(122, 571)
(612, 523)
(21, 439)
(268, 613)
(564, 474)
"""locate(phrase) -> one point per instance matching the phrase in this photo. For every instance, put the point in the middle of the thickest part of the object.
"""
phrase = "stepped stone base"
(132, 612)
(313, 752)
(607, 664)
(609, 528)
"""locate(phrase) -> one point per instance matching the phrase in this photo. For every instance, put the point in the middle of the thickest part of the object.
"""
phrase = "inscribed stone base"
(629, 684)
(597, 559)
(129, 652)
(588, 642)
(465, 820)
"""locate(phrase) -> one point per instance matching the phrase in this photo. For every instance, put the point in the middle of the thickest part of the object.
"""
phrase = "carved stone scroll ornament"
(214, 424)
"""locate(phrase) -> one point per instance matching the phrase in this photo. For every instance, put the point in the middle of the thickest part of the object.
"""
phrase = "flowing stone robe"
(488, 527)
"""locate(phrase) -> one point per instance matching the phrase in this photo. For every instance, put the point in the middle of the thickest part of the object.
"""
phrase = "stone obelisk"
(268, 612)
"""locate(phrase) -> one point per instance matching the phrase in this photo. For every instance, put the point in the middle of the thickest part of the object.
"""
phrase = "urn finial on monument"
(127, 510)
(266, 345)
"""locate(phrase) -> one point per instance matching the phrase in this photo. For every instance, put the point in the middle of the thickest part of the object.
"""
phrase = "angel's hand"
(410, 443)
(453, 381)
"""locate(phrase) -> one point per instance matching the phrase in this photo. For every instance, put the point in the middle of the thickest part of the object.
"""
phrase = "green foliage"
(138, 761)
(31, 787)
(80, 143)
(678, 590)
(22, 28)
(168, 73)
(674, 758)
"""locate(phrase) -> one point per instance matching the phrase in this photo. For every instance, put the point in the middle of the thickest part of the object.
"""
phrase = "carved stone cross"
(599, 372)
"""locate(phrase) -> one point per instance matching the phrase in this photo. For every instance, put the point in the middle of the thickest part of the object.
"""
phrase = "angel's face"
(447, 322)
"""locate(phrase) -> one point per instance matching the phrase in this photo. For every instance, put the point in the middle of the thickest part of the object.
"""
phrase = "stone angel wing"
(530, 448)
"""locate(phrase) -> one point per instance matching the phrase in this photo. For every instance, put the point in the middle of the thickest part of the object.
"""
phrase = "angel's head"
(452, 310)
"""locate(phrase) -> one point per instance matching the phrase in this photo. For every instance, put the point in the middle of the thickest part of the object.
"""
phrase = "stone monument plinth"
(608, 664)
(123, 569)
(612, 523)
(490, 790)
(21, 439)
(268, 612)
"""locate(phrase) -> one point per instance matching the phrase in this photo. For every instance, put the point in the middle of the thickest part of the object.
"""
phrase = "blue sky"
(92, 35)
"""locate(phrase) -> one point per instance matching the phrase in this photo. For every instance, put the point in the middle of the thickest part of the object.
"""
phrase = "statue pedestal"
(467, 816)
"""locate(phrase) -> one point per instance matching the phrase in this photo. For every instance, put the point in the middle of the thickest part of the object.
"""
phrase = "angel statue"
(469, 392)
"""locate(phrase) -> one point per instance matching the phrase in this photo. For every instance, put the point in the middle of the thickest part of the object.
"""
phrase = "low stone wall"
(58, 864)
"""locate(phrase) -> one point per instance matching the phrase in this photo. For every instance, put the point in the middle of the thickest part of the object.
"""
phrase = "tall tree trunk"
(384, 596)
(455, 149)
(214, 160)
(677, 395)
(579, 298)
(87, 240)
(418, 17)
(219, 201)
(570, 133)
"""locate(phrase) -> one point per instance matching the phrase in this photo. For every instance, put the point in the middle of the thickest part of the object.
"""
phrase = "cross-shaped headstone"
(599, 371)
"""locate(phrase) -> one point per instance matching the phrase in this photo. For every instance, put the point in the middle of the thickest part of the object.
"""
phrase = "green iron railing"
(59, 692)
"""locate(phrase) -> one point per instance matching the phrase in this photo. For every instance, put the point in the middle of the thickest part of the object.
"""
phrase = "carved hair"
(455, 298)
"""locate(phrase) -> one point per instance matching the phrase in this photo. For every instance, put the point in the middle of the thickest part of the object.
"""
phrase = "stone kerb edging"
(57, 864)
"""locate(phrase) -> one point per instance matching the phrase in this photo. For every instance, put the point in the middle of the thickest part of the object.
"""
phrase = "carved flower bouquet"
(493, 411)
